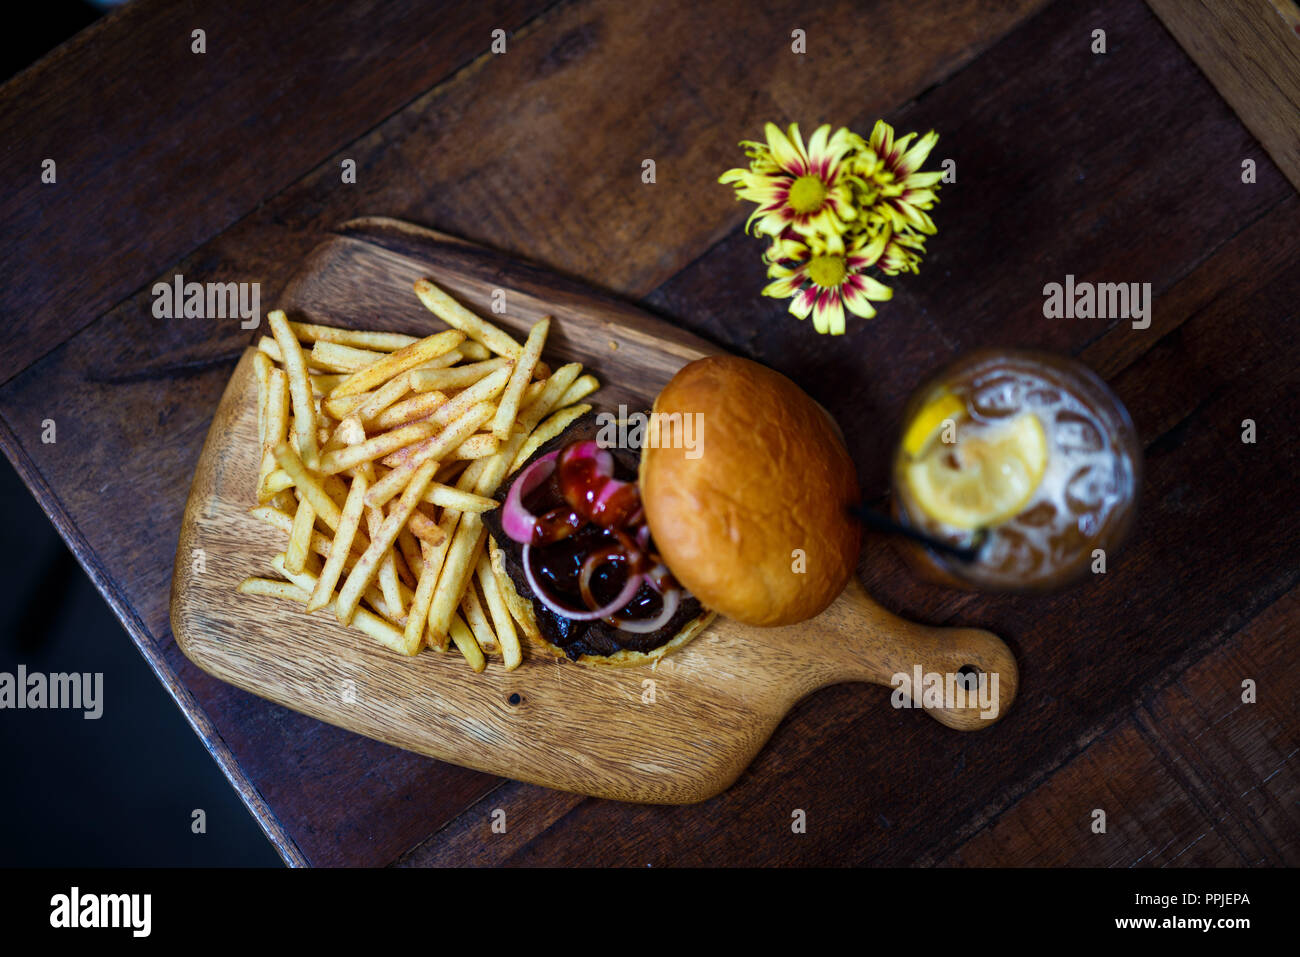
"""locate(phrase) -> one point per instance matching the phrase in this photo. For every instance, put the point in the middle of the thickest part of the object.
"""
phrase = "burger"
(736, 503)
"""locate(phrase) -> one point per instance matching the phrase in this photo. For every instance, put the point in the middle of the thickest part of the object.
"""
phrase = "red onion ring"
(660, 578)
(630, 589)
(589, 449)
(517, 521)
(672, 598)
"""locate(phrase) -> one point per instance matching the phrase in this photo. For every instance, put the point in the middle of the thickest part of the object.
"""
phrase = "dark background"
(120, 790)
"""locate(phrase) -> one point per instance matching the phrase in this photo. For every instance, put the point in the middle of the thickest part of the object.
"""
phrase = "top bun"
(768, 475)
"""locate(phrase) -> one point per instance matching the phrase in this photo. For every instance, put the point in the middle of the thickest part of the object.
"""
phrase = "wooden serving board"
(674, 734)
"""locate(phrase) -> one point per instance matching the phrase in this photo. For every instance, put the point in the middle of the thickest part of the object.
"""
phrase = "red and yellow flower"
(797, 186)
(824, 282)
(836, 208)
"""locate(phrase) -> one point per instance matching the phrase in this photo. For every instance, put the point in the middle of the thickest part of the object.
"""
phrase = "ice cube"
(1075, 433)
(998, 397)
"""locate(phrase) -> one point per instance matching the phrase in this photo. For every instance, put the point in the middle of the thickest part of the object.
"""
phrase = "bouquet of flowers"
(836, 208)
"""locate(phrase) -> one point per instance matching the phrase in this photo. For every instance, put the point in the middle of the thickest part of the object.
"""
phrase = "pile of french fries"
(380, 454)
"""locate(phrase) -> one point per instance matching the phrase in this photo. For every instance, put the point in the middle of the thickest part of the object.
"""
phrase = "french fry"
(464, 639)
(300, 536)
(424, 528)
(363, 621)
(295, 367)
(475, 351)
(532, 393)
(582, 387)
(502, 623)
(268, 347)
(409, 410)
(378, 341)
(374, 375)
(344, 406)
(283, 521)
(553, 426)
(389, 585)
(323, 383)
(455, 377)
(366, 567)
(270, 588)
(435, 556)
(308, 486)
(341, 547)
(449, 471)
(447, 496)
(262, 367)
(485, 390)
(499, 464)
(520, 376)
(432, 450)
(409, 546)
(477, 447)
(458, 317)
(276, 431)
(477, 620)
(521, 609)
(336, 358)
(456, 570)
(339, 460)
(283, 501)
(349, 432)
(418, 615)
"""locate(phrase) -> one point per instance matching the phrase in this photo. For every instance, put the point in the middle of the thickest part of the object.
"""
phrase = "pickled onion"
(517, 521)
(630, 588)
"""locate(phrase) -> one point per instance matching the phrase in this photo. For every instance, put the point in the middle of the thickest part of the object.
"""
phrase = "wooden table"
(1117, 167)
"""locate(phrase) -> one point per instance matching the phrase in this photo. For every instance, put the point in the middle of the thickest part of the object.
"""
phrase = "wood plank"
(159, 148)
(1250, 50)
(1193, 777)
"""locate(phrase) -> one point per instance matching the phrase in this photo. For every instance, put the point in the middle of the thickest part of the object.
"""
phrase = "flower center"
(827, 271)
(807, 194)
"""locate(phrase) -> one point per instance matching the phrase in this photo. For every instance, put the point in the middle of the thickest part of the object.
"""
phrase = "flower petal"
(788, 151)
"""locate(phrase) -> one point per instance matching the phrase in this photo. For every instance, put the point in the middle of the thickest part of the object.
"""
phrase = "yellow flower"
(796, 186)
(886, 177)
(902, 253)
(834, 209)
(825, 283)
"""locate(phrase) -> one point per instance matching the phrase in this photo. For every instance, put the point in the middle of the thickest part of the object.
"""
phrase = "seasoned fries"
(520, 376)
(417, 353)
(458, 317)
(295, 367)
(379, 454)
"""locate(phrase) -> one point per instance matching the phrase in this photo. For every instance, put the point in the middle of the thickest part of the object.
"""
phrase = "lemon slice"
(985, 478)
(929, 421)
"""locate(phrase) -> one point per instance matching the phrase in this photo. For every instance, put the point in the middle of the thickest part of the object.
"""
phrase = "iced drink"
(1026, 456)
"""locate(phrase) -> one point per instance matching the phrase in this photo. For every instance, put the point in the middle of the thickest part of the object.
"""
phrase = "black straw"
(879, 522)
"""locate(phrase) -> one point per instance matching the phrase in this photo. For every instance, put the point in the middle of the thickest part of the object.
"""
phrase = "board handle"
(878, 646)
